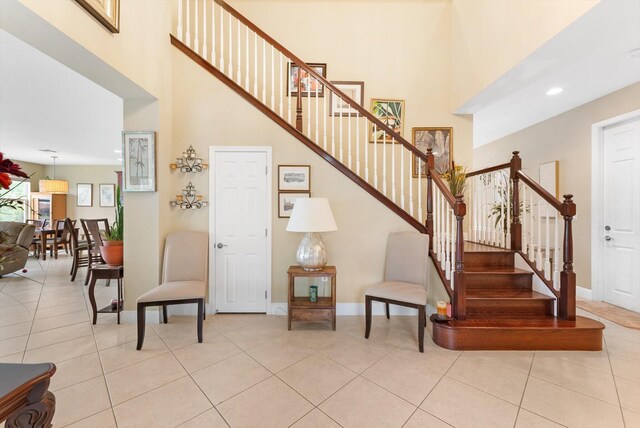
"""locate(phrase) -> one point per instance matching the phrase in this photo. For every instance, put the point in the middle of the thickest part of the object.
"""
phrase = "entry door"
(240, 231)
(622, 215)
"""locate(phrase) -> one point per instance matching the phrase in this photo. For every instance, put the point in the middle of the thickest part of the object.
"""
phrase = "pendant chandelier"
(53, 186)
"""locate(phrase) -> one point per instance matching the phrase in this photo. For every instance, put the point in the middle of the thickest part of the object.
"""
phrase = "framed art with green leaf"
(139, 156)
(389, 112)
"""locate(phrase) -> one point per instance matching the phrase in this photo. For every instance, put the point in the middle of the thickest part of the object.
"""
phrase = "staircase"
(495, 305)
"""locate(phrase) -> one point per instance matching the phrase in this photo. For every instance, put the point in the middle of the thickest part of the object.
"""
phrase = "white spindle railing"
(444, 233)
(261, 67)
(489, 198)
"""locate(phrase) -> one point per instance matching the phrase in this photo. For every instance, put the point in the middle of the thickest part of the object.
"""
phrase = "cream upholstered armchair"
(184, 278)
(405, 278)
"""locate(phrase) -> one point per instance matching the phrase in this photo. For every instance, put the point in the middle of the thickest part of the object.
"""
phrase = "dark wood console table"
(24, 397)
(301, 309)
(106, 272)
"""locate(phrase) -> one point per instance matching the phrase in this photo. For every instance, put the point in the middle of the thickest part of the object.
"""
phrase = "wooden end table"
(106, 272)
(301, 308)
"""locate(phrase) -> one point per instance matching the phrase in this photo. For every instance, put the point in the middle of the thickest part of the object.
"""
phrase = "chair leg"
(386, 306)
(204, 313)
(367, 311)
(421, 324)
(165, 318)
(141, 320)
(200, 318)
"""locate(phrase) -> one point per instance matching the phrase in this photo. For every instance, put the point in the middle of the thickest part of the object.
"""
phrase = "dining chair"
(79, 249)
(35, 242)
(92, 233)
(59, 238)
(405, 279)
(184, 278)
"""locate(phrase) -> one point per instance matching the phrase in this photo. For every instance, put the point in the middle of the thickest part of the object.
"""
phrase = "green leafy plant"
(117, 229)
(500, 209)
(457, 179)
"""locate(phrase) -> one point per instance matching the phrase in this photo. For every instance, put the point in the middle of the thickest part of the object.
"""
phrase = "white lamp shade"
(53, 186)
(311, 215)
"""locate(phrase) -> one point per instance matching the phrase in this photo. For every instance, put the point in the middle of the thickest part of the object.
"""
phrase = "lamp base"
(311, 254)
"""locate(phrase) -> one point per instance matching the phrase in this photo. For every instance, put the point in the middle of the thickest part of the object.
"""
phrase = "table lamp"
(312, 216)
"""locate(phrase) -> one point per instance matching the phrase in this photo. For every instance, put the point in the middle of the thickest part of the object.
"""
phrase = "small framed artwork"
(107, 12)
(309, 85)
(355, 91)
(85, 195)
(389, 112)
(440, 141)
(107, 195)
(139, 156)
(294, 178)
(286, 201)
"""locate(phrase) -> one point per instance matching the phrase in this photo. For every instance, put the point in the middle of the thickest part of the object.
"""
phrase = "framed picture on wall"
(389, 112)
(84, 195)
(139, 157)
(294, 178)
(309, 85)
(286, 202)
(107, 195)
(355, 91)
(440, 141)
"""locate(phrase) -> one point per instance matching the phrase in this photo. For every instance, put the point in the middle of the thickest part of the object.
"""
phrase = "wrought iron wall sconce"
(189, 162)
(189, 200)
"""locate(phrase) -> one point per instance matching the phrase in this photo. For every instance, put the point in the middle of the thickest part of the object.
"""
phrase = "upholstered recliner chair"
(15, 240)
(184, 278)
(405, 278)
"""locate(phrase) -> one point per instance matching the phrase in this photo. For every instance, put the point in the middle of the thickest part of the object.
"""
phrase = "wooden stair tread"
(491, 270)
(548, 322)
(473, 247)
(515, 294)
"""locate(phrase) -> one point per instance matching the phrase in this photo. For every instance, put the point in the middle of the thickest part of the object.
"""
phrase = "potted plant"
(112, 248)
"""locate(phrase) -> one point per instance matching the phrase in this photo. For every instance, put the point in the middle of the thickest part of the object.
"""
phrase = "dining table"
(44, 234)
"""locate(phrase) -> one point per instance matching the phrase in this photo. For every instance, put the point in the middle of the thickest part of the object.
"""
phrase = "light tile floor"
(251, 372)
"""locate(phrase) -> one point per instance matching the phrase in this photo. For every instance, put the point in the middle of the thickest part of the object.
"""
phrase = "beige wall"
(38, 171)
(567, 139)
(489, 37)
(94, 174)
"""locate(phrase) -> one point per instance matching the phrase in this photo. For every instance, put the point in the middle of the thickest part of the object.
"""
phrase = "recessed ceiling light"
(117, 151)
(634, 53)
(554, 91)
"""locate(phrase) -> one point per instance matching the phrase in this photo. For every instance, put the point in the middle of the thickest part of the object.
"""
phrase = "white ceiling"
(589, 59)
(46, 105)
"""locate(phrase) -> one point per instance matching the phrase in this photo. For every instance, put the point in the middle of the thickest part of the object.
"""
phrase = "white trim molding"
(597, 200)
(584, 293)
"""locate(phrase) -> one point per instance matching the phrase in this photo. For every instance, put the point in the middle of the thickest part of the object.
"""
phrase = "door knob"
(607, 228)
(608, 238)
(220, 245)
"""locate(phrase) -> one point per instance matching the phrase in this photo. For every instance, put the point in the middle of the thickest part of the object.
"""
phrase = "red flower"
(5, 181)
(7, 167)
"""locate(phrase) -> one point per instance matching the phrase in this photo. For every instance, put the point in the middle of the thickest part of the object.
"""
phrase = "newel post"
(460, 290)
(299, 101)
(567, 304)
(516, 226)
(429, 224)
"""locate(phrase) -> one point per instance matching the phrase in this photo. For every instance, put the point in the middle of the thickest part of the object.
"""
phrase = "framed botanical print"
(139, 157)
(84, 195)
(107, 194)
(286, 200)
(440, 141)
(107, 12)
(338, 106)
(309, 85)
(389, 112)
(294, 178)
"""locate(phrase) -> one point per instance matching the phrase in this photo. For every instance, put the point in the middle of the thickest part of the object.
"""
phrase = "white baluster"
(420, 198)
(280, 92)
(503, 201)
(221, 66)
(230, 47)
(239, 56)
(273, 86)
(349, 159)
(247, 85)
(205, 49)
(523, 216)
(447, 231)
(289, 91)
(556, 253)
(437, 239)
(532, 248)
(443, 230)
(188, 20)
(255, 71)
(509, 199)
(333, 134)
(308, 105)
(324, 119)
(402, 152)
(196, 42)
(410, 194)
(539, 238)
(365, 133)
(384, 168)
(317, 140)
(393, 170)
(357, 145)
(547, 253)
(341, 113)
(264, 72)
(453, 247)
(179, 29)
(375, 158)
(213, 33)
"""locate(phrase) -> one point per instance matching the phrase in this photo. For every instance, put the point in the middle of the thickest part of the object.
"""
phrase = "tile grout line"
(615, 384)
(44, 280)
(524, 390)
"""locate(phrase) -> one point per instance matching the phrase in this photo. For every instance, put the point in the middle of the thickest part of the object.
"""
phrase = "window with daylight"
(14, 203)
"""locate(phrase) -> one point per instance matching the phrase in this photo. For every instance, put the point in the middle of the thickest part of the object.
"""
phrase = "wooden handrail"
(489, 169)
(361, 110)
(552, 200)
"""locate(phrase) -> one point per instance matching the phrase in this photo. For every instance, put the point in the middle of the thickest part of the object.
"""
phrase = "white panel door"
(240, 224)
(622, 215)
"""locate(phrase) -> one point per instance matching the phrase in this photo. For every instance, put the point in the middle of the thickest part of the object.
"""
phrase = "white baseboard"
(584, 293)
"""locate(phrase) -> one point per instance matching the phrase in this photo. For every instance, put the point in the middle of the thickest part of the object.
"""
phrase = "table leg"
(119, 297)
(43, 243)
(92, 298)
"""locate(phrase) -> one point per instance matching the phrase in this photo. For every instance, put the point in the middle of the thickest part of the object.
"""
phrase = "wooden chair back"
(91, 229)
(39, 224)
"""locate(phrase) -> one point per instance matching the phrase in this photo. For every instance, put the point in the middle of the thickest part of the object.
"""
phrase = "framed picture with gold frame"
(107, 12)
(389, 112)
(440, 140)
